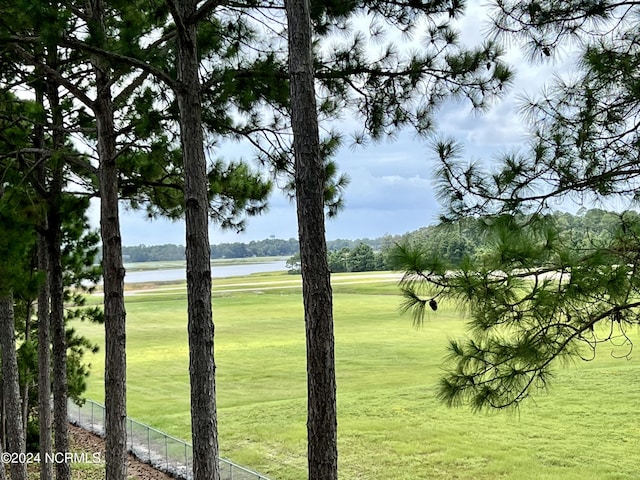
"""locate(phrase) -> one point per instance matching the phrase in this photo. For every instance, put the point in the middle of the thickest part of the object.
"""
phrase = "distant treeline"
(467, 238)
(451, 242)
(270, 247)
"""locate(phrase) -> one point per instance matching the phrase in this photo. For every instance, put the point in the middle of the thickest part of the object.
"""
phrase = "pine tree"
(45, 437)
(200, 322)
(235, 190)
(26, 206)
(322, 457)
(16, 224)
(10, 378)
(11, 390)
(536, 296)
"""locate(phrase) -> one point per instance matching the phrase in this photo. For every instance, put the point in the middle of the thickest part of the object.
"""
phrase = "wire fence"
(162, 451)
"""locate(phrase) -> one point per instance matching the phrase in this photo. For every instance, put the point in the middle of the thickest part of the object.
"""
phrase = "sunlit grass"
(390, 424)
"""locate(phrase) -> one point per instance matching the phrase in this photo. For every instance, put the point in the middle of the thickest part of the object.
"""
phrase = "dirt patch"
(85, 442)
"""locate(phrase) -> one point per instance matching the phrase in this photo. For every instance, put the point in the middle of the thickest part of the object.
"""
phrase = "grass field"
(390, 424)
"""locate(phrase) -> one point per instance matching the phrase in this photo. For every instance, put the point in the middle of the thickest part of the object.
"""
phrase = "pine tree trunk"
(44, 325)
(114, 320)
(59, 342)
(15, 436)
(316, 282)
(113, 271)
(56, 286)
(204, 428)
(44, 364)
(25, 387)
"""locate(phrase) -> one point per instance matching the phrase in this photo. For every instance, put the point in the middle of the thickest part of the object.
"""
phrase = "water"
(175, 274)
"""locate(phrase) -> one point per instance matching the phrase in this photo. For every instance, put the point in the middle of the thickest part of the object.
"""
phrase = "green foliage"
(16, 241)
(236, 191)
(534, 294)
(78, 346)
(293, 265)
(19, 211)
(245, 94)
(80, 273)
(339, 260)
(78, 370)
(79, 249)
(450, 244)
(137, 46)
(335, 182)
(23, 206)
(581, 147)
(270, 247)
(447, 243)
(547, 287)
(388, 88)
(360, 258)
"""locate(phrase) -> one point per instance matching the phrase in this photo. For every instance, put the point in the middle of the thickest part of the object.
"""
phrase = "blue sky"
(391, 190)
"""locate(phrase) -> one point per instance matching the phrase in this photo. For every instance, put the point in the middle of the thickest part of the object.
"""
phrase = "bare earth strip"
(89, 447)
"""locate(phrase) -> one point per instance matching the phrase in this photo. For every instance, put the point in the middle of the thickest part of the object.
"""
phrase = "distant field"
(390, 424)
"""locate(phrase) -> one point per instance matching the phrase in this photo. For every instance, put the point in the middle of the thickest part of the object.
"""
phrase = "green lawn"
(390, 424)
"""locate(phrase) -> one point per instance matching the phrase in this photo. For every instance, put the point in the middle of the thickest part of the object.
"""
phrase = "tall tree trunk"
(115, 380)
(44, 332)
(204, 427)
(15, 437)
(56, 284)
(316, 281)
(58, 333)
(44, 364)
(25, 388)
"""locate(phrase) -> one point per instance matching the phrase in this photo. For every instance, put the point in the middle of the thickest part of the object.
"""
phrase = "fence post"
(166, 450)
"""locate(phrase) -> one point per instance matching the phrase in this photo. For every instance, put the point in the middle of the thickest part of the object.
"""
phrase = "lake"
(174, 274)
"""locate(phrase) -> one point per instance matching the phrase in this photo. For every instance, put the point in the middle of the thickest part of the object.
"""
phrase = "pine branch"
(57, 76)
(125, 59)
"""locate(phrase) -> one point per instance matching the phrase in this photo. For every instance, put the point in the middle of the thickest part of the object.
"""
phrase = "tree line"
(453, 243)
(360, 258)
(467, 239)
(270, 247)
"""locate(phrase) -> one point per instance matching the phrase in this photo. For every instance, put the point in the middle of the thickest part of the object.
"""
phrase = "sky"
(392, 183)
